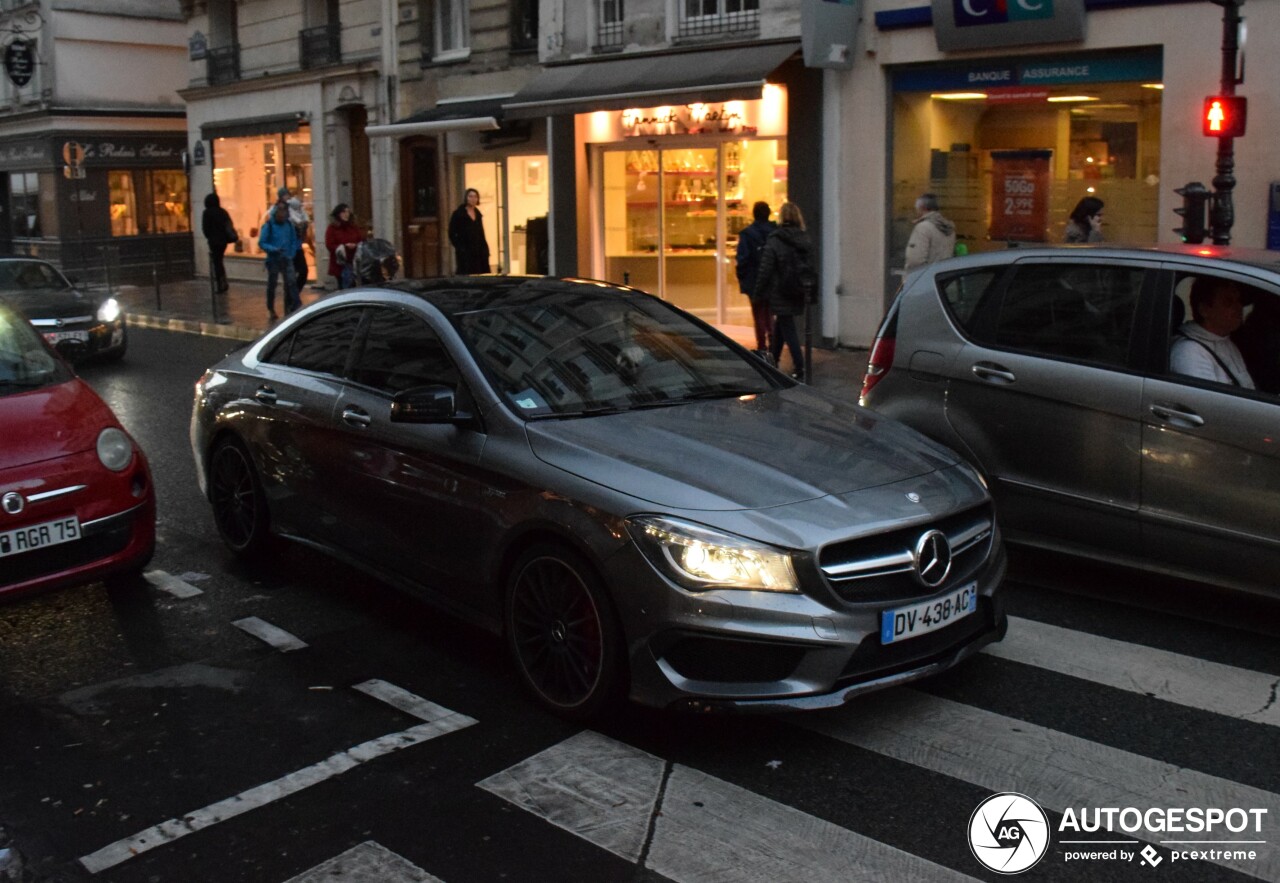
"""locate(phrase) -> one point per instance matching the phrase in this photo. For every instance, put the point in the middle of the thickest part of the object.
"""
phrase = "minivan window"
(1070, 310)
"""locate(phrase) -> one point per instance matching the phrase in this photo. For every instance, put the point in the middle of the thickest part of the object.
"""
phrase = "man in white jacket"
(1203, 347)
(933, 238)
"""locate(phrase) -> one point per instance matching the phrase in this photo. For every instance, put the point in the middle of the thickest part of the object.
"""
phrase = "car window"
(1244, 353)
(321, 344)
(964, 291)
(1070, 310)
(400, 352)
(25, 362)
(29, 276)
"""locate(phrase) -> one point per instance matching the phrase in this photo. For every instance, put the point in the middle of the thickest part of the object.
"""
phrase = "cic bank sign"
(980, 24)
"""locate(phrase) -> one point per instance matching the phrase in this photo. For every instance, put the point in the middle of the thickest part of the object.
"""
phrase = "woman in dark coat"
(466, 233)
(215, 223)
(787, 248)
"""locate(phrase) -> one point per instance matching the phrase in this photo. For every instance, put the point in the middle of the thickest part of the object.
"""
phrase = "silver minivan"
(1050, 369)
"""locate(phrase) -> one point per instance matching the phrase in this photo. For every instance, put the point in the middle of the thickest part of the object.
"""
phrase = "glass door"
(632, 218)
(487, 177)
(692, 232)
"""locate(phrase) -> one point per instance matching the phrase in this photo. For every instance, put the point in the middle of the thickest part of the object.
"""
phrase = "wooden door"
(361, 190)
(420, 191)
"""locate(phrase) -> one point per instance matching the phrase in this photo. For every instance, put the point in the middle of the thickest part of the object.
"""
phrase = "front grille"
(881, 567)
(874, 660)
(101, 539)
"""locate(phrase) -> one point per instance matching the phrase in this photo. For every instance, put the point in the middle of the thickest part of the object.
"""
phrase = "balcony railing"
(319, 47)
(735, 22)
(223, 64)
(609, 35)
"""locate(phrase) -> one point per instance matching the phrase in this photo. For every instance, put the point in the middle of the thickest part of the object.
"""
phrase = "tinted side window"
(400, 352)
(1073, 311)
(322, 344)
(964, 292)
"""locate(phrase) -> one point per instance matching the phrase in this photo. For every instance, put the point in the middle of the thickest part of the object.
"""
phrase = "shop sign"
(197, 46)
(30, 154)
(1050, 71)
(983, 24)
(133, 152)
(197, 153)
(1016, 95)
(827, 29)
(691, 119)
(20, 61)
(1019, 195)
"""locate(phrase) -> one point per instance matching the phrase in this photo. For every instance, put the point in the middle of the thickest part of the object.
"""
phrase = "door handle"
(266, 395)
(992, 371)
(1176, 414)
(355, 416)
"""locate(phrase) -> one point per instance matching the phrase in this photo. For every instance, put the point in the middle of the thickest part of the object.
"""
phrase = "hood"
(945, 227)
(52, 303)
(52, 422)
(794, 237)
(772, 449)
(1198, 332)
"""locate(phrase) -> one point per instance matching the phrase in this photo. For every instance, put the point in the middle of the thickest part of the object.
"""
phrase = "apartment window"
(699, 17)
(609, 19)
(524, 25)
(446, 32)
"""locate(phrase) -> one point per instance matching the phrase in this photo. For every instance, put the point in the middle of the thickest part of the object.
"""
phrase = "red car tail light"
(879, 364)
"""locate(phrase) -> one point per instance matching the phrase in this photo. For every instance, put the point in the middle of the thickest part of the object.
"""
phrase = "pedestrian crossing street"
(684, 824)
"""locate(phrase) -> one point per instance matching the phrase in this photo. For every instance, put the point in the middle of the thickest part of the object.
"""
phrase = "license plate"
(59, 336)
(901, 623)
(39, 536)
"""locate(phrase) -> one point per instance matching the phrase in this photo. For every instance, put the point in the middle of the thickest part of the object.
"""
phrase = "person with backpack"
(787, 280)
(750, 247)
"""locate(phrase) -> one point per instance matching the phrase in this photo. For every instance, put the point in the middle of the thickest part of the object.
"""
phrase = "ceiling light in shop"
(959, 96)
(1064, 98)
(1153, 85)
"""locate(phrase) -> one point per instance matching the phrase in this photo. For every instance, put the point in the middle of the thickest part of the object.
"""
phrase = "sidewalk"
(241, 314)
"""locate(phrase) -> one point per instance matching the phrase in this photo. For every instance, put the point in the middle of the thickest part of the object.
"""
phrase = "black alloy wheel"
(239, 505)
(562, 632)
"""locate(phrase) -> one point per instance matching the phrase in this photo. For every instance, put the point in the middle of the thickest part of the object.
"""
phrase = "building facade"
(92, 136)
(279, 94)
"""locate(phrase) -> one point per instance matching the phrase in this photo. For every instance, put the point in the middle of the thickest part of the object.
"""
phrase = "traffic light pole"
(1223, 214)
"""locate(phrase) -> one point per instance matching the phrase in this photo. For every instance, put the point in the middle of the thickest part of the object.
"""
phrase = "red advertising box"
(1020, 195)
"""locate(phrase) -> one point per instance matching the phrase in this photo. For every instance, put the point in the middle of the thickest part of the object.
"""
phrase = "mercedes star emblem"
(933, 558)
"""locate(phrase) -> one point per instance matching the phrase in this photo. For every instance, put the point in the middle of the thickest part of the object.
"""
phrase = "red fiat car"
(76, 499)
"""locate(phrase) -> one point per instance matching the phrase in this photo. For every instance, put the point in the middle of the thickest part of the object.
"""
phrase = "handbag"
(232, 236)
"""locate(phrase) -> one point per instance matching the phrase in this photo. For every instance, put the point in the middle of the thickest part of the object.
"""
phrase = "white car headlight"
(700, 558)
(109, 311)
(114, 449)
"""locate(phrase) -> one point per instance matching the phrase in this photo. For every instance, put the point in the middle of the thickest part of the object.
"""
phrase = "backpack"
(798, 281)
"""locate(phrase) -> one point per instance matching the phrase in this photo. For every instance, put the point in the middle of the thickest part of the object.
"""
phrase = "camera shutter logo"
(1008, 833)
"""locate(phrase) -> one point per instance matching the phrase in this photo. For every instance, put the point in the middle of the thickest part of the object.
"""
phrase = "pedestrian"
(340, 239)
(787, 281)
(751, 243)
(933, 237)
(302, 223)
(466, 234)
(1085, 222)
(279, 241)
(219, 232)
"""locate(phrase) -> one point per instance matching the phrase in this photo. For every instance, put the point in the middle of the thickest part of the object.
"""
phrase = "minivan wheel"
(562, 632)
(239, 505)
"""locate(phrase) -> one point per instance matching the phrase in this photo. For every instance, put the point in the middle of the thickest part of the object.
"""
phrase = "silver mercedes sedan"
(637, 504)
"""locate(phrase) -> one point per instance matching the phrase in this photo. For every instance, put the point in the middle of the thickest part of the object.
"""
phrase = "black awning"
(267, 125)
(705, 75)
(449, 111)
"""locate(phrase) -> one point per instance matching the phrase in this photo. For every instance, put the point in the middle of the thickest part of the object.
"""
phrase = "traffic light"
(1194, 197)
(1224, 116)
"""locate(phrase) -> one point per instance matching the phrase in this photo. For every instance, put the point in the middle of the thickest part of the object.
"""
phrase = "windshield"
(30, 276)
(592, 353)
(25, 362)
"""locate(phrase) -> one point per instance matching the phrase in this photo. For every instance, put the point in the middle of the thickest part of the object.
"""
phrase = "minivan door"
(1043, 396)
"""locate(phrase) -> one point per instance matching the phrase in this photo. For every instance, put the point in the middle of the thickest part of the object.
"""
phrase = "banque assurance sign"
(981, 24)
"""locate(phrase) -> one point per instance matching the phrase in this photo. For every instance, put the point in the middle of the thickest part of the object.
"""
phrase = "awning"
(705, 75)
(471, 115)
(268, 125)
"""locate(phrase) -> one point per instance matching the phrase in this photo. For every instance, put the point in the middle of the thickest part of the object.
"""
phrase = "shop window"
(699, 17)
(144, 201)
(24, 203)
(248, 171)
(446, 34)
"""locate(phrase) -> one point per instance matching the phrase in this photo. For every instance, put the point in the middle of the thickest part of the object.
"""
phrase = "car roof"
(455, 295)
(1251, 257)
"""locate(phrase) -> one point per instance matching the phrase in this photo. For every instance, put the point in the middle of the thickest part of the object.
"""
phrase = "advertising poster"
(1020, 195)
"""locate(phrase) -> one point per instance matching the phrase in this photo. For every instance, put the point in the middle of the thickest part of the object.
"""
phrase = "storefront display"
(247, 172)
(514, 203)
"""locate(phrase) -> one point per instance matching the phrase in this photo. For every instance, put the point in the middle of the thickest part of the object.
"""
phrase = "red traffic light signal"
(1224, 116)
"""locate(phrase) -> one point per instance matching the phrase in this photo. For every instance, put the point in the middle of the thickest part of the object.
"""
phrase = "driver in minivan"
(1202, 347)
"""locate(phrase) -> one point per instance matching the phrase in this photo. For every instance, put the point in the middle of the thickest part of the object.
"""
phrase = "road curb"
(193, 326)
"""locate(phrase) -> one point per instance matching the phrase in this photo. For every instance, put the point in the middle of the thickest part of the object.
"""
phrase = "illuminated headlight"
(114, 449)
(109, 311)
(700, 558)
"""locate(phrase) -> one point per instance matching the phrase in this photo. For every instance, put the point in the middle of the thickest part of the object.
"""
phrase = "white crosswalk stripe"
(270, 634)
(1173, 677)
(1056, 769)
(689, 826)
(167, 582)
(369, 862)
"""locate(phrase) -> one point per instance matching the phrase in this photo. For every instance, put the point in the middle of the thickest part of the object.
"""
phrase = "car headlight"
(114, 449)
(109, 311)
(700, 558)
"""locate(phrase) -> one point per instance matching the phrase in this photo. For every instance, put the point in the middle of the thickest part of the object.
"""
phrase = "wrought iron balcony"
(223, 64)
(701, 18)
(318, 47)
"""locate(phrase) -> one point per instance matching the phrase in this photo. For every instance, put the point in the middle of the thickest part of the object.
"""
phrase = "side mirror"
(436, 403)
